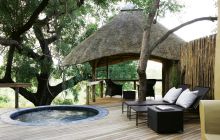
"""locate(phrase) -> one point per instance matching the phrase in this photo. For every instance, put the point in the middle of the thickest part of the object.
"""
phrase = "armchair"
(210, 119)
(112, 89)
(150, 87)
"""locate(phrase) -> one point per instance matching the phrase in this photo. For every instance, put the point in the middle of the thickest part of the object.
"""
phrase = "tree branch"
(43, 22)
(8, 68)
(30, 53)
(8, 42)
(38, 33)
(43, 44)
(80, 3)
(51, 39)
(178, 27)
(59, 88)
(33, 17)
(54, 37)
(27, 94)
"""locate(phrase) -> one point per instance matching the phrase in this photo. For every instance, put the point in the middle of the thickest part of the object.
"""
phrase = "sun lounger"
(147, 102)
(202, 92)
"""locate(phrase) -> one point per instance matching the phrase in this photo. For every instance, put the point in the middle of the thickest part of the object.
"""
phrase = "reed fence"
(197, 63)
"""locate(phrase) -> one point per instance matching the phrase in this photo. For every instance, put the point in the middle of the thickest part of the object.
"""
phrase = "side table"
(130, 95)
(165, 121)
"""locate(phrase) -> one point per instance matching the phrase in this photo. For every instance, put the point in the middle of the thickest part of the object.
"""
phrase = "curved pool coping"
(6, 117)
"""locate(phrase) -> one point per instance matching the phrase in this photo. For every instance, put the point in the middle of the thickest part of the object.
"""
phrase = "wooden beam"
(93, 78)
(13, 85)
(87, 95)
(17, 97)
(101, 89)
(16, 86)
(135, 85)
(107, 76)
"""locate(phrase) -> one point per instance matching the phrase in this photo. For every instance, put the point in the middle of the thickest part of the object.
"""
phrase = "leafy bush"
(4, 99)
(60, 101)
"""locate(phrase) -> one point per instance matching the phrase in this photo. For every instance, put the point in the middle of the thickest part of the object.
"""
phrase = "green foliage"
(71, 95)
(4, 99)
(169, 6)
(15, 13)
(126, 70)
(122, 71)
(90, 29)
(60, 101)
(24, 69)
(164, 7)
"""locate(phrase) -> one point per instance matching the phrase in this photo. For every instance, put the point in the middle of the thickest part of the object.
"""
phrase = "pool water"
(54, 116)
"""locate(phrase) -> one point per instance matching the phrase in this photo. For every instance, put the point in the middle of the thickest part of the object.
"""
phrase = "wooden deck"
(115, 126)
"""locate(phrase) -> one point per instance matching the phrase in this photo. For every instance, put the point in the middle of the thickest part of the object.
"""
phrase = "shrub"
(4, 99)
(59, 101)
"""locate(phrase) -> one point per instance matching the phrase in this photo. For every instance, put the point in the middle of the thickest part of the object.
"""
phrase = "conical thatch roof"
(120, 40)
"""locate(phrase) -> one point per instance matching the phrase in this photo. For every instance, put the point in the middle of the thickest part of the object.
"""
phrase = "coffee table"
(138, 111)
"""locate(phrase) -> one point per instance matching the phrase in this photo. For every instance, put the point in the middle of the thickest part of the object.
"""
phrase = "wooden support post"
(135, 85)
(16, 97)
(101, 89)
(93, 93)
(93, 78)
(87, 95)
(92, 85)
(107, 75)
(16, 86)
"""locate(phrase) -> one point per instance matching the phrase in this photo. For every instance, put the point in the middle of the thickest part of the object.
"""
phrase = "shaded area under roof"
(120, 40)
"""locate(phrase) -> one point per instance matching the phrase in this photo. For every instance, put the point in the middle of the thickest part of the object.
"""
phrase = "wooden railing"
(123, 81)
(16, 86)
(90, 87)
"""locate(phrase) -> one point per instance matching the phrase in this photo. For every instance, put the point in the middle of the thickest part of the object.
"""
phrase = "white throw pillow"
(172, 95)
(187, 98)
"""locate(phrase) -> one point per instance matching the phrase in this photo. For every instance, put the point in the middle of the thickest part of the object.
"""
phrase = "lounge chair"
(194, 108)
(148, 102)
(202, 91)
(112, 89)
(150, 87)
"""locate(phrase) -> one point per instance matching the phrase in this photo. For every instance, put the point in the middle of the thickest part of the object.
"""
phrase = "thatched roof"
(120, 40)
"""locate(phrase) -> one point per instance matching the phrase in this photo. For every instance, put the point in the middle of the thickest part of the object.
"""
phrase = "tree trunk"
(142, 67)
(145, 51)
(45, 93)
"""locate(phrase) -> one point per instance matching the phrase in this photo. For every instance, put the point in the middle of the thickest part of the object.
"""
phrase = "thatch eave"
(120, 37)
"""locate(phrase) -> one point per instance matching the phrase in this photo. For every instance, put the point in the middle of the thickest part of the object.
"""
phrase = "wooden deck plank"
(115, 126)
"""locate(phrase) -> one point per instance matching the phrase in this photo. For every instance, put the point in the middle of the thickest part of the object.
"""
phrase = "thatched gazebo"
(120, 40)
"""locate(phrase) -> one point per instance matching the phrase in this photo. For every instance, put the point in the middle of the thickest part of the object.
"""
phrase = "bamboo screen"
(197, 63)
